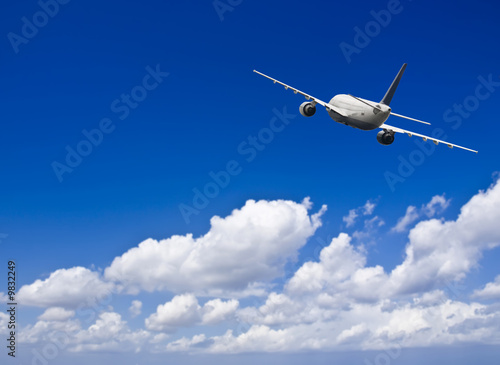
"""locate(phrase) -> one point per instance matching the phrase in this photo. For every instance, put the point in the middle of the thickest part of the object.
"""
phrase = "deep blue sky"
(130, 187)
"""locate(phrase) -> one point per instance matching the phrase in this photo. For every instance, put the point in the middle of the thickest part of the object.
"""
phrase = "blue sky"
(73, 228)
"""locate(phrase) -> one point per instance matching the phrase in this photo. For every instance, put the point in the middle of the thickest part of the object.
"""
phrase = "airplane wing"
(307, 96)
(425, 138)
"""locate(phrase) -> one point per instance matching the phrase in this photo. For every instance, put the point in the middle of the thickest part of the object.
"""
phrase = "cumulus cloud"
(340, 277)
(58, 331)
(181, 311)
(251, 245)
(286, 309)
(441, 251)
(135, 308)
(438, 252)
(336, 302)
(437, 205)
(56, 314)
(184, 311)
(490, 291)
(216, 311)
(109, 333)
(337, 264)
(68, 288)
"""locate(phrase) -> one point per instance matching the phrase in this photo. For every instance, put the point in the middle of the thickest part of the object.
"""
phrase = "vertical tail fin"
(390, 93)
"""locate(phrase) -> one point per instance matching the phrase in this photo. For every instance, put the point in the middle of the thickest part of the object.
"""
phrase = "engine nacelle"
(307, 109)
(385, 137)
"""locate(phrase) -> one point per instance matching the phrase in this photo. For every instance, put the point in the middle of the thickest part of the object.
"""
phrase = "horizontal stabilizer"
(415, 120)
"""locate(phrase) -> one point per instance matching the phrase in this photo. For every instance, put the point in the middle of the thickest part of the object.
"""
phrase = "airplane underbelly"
(360, 120)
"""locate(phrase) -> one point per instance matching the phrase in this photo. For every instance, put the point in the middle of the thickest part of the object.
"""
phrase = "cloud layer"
(335, 302)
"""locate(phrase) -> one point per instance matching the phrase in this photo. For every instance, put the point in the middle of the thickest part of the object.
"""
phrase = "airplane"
(363, 114)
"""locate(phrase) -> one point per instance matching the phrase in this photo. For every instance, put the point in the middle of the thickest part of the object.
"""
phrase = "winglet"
(390, 93)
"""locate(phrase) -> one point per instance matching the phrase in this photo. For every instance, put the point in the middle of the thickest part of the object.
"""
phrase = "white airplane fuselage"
(360, 113)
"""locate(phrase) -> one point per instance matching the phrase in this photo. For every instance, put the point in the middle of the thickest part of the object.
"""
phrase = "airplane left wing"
(307, 96)
(425, 138)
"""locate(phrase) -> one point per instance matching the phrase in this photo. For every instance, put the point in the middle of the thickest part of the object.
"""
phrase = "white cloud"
(258, 338)
(438, 252)
(109, 333)
(337, 263)
(184, 344)
(353, 334)
(366, 209)
(251, 245)
(216, 311)
(159, 338)
(442, 251)
(135, 308)
(58, 331)
(370, 229)
(363, 326)
(338, 302)
(184, 311)
(431, 298)
(56, 314)
(107, 326)
(403, 223)
(3, 297)
(68, 288)
(282, 309)
(437, 205)
(4, 320)
(181, 311)
(490, 291)
(341, 273)
(350, 219)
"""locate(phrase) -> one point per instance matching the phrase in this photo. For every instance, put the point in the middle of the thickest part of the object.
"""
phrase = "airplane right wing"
(425, 138)
(307, 96)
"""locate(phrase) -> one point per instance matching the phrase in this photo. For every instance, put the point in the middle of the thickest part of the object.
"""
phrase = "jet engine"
(307, 109)
(385, 137)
